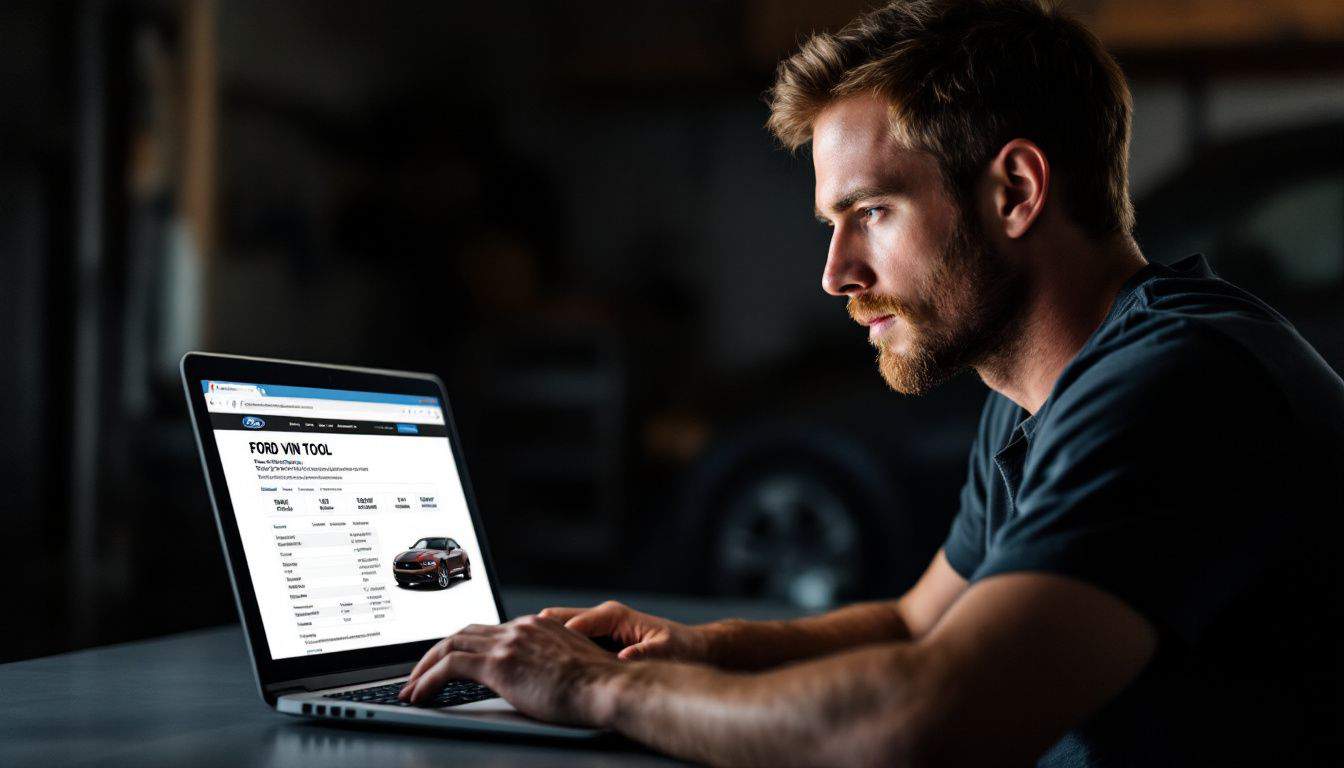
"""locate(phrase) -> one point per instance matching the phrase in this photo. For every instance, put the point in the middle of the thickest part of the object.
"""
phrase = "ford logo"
(253, 422)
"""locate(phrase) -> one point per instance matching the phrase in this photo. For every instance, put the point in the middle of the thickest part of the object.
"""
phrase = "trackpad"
(496, 705)
(500, 713)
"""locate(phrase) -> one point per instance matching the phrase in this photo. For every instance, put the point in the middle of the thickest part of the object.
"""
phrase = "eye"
(871, 213)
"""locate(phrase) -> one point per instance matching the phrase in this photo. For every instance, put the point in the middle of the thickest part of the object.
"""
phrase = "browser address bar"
(276, 402)
(304, 404)
(330, 408)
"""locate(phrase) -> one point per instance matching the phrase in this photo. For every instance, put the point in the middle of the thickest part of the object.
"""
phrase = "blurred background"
(572, 213)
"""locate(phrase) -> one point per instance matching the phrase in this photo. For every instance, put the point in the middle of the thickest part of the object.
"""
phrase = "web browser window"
(352, 516)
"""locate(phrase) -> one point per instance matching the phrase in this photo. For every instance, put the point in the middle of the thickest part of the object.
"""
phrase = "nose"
(847, 272)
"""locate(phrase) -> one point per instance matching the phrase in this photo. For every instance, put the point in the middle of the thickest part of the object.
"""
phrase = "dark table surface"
(190, 700)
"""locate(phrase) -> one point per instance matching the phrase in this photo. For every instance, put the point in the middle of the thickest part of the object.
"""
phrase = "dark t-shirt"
(1189, 461)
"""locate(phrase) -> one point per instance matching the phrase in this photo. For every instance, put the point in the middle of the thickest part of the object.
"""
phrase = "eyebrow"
(854, 196)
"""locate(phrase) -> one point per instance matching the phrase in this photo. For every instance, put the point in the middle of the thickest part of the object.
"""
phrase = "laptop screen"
(352, 516)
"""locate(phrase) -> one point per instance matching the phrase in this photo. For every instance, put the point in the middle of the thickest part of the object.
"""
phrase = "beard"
(967, 314)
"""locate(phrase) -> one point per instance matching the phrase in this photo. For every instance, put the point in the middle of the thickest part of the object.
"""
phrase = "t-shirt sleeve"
(965, 544)
(1148, 478)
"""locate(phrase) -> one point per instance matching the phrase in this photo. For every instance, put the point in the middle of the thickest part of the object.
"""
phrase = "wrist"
(604, 692)
(711, 641)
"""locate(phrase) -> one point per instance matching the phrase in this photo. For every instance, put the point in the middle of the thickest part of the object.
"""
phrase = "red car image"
(433, 560)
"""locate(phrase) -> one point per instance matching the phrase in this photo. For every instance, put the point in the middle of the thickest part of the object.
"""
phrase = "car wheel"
(810, 517)
(789, 535)
(466, 573)
(443, 579)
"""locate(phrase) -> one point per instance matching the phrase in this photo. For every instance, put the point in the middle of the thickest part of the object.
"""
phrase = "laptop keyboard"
(454, 693)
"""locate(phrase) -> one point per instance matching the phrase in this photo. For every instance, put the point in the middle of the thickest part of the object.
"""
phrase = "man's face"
(918, 273)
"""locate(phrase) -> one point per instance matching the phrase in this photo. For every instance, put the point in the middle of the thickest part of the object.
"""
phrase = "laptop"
(351, 537)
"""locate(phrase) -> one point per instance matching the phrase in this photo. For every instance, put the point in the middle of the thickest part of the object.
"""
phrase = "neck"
(1067, 301)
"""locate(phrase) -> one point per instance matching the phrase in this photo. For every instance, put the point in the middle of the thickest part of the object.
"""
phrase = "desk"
(190, 700)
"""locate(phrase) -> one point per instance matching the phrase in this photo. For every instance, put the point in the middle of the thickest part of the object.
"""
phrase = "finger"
(649, 649)
(602, 620)
(561, 615)
(442, 647)
(430, 658)
(472, 643)
(456, 665)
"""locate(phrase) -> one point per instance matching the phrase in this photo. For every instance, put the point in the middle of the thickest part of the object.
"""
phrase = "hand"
(545, 670)
(644, 636)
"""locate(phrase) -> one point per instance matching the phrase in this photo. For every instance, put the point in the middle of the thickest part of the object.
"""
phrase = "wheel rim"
(792, 537)
(443, 578)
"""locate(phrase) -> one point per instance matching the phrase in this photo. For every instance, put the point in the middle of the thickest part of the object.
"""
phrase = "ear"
(1019, 181)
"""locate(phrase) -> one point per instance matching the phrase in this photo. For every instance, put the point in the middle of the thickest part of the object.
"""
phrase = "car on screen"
(435, 560)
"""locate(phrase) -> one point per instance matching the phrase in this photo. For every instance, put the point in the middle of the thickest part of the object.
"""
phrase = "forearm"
(754, 645)
(860, 707)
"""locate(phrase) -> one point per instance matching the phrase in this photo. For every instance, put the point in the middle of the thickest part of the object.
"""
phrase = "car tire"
(466, 573)
(797, 518)
(444, 579)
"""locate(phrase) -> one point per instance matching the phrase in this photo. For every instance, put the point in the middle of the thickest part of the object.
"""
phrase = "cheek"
(928, 227)
(902, 259)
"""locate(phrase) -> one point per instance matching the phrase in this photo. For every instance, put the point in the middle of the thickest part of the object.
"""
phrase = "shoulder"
(1163, 383)
(1189, 289)
(1180, 333)
(1187, 310)
(1152, 348)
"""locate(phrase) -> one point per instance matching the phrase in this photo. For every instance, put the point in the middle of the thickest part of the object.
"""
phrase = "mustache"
(863, 307)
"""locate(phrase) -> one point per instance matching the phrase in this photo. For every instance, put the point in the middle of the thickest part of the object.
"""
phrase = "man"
(1139, 573)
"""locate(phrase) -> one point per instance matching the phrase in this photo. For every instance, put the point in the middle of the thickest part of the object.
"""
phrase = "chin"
(912, 373)
(903, 373)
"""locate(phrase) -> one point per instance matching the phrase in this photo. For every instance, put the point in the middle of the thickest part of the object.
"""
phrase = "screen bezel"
(198, 366)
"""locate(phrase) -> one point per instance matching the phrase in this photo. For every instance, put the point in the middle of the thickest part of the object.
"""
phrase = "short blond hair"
(963, 78)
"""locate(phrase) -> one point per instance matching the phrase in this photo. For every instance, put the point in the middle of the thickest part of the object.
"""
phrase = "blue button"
(408, 429)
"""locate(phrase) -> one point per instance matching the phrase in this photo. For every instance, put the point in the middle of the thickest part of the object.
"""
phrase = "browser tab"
(234, 389)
